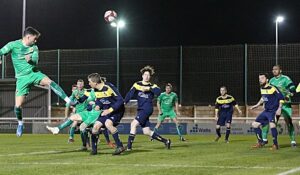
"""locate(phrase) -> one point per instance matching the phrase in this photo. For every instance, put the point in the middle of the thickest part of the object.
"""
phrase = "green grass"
(49, 154)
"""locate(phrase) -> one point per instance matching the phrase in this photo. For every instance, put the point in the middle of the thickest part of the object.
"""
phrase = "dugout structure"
(37, 104)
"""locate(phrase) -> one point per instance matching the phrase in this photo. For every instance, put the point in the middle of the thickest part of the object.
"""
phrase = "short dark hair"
(95, 77)
(147, 69)
(277, 65)
(265, 74)
(80, 80)
(169, 85)
(31, 31)
(224, 87)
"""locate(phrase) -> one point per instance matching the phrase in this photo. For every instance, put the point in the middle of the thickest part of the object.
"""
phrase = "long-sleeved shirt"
(144, 99)
(106, 98)
(18, 52)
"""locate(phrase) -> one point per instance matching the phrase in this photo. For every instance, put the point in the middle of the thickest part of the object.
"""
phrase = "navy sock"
(227, 133)
(106, 135)
(83, 135)
(130, 140)
(158, 137)
(274, 135)
(117, 139)
(87, 138)
(258, 134)
(95, 142)
(218, 131)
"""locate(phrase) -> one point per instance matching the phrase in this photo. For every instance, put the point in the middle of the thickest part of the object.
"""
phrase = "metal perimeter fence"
(196, 72)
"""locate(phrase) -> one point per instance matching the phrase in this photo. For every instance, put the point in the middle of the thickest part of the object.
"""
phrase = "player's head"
(94, 79)
(80, 84)
(147, 72)
(263, 79)
(168, 88)
(223, 90)
(276, 70)
(31, 35)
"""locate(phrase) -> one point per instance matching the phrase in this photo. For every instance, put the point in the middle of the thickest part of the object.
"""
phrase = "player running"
(78, 93)
(144, 92)
(111, 103)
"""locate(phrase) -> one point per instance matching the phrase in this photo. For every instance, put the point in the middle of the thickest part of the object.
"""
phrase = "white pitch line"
(290, 171)
(151, 165)
(31, 153)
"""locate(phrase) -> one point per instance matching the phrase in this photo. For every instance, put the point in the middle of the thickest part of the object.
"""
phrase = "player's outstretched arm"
(130, 94)
(5, 50)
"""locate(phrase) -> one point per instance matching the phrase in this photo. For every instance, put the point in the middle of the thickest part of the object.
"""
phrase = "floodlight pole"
(118, 57)
(24, 16)
(276, 45)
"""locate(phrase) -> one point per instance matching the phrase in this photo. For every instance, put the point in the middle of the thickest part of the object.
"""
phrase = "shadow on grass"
(285, 146)
(136, 151)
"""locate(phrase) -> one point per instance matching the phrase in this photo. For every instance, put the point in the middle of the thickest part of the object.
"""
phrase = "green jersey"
(76, 94)
(18, 52)
(167, 101)
(285, 85)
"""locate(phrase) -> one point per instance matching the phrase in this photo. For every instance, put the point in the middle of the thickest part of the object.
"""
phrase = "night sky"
(73, 24)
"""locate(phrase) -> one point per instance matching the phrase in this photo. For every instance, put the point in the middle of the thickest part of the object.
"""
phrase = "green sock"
(59, 91)
(265, 131)
(291, 130)
(178, 128)
(18, 113)
(65, 124)
(71, 132)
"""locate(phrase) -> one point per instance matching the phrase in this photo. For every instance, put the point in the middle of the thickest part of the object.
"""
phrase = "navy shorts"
(224, 117)
(114, 117)
(143, 118)
(266, 117)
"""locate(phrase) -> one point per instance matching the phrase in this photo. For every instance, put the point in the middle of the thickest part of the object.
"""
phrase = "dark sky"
(151, 23)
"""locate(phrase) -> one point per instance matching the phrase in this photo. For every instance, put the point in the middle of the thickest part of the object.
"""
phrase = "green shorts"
(89, 117)
(286, 110)
(166, 114)
(25, 82)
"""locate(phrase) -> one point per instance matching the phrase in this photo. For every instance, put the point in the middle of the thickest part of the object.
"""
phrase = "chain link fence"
(196, 72)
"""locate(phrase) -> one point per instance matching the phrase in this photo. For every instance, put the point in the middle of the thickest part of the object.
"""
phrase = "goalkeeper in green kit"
(165, 104)
(288, 89)
(24, 55)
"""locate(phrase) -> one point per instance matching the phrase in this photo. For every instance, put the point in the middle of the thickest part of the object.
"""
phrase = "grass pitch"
(51, 154)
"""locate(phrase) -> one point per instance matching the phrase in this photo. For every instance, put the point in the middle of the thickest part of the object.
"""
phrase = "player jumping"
(25, 56)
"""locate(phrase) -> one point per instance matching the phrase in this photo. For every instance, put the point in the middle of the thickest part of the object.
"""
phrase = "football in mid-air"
(110, 16)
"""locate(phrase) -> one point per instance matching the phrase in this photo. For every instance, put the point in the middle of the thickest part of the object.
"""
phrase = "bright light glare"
(279, 19)
(121, 24)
